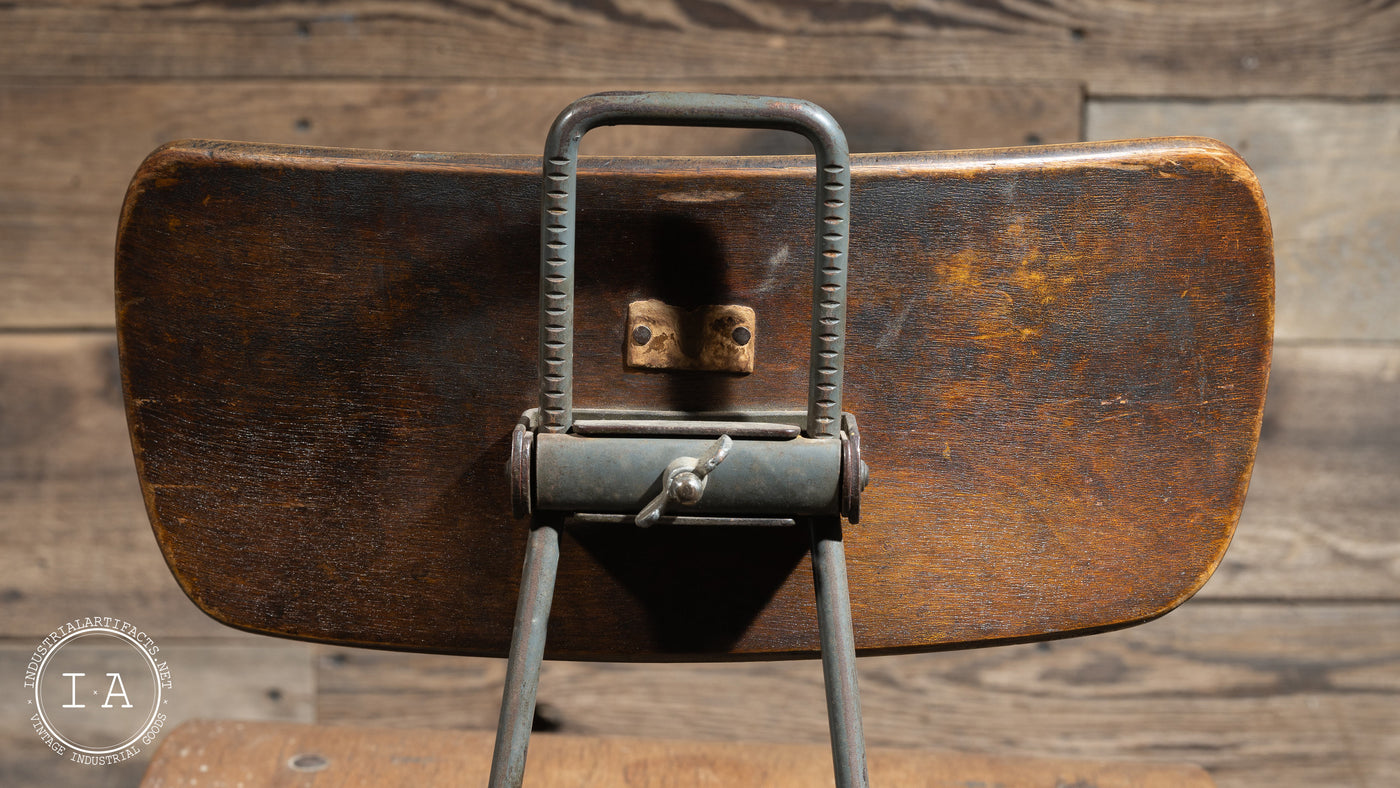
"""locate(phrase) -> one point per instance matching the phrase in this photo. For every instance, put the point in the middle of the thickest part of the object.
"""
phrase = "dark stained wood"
(74, 538)
(1318, 523)
(70, 149)
(224, 754)
(1057, 355)
(1319, 519)
(1299, 694)
(1264, 47)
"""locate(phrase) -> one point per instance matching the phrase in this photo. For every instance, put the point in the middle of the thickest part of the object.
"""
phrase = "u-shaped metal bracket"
(559, 213)
(823, 420)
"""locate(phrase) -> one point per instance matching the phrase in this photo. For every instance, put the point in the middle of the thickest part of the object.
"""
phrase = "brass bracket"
(705, 339)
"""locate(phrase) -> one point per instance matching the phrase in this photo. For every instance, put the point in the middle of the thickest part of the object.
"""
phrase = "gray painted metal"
(797, 418)
(838, 653)
(802, 476)
(699, 429)
(558, 213)
(594, 518)
(526, 653)
(574, 473)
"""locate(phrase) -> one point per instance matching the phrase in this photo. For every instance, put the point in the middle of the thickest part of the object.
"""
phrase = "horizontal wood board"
(1323, 167)
(224, 754)
(1323, 510)
(73, 532)
(237, 676)
(1024, 341)
(68, 157)
(71, 149)
(1265, 47)
(1259, 694)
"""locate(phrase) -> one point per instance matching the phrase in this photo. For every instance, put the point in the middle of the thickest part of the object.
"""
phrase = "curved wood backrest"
(1058, 357)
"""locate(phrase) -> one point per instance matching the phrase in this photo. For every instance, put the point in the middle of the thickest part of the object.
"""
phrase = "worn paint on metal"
(574, 473)
(558, 214)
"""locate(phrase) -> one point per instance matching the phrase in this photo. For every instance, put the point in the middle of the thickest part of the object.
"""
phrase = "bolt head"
(742, 335)
(641, 335)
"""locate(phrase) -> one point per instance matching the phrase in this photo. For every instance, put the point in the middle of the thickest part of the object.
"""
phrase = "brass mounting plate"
(705, 339)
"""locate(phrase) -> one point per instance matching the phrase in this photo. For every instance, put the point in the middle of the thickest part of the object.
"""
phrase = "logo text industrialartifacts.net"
(98, 689)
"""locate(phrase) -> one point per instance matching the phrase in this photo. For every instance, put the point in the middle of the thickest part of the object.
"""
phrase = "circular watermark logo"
(99, 690)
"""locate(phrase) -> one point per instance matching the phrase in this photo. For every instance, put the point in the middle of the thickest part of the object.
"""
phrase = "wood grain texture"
(224, 754)
(67, 158)
(238, 676)
(70, 149)
(72, 531)
(1259, 694)
(1324, 502)
(307, 337)
(1266, 47)
(1335, 230)
(1318, 522)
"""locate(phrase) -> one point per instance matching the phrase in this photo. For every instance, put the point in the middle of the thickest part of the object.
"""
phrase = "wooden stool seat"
(215, 754)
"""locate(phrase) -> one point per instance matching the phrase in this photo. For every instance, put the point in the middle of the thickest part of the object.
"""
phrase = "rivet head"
(641, 335)
(742, 336)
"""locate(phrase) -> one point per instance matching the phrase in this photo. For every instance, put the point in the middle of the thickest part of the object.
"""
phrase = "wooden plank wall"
(1285, 670)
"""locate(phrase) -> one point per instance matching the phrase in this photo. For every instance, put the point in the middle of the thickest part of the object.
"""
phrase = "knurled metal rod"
(559, 214)
(526, 653)
(838, 653)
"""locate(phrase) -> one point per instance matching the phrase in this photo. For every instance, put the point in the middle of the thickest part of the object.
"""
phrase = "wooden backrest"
(1058, 358)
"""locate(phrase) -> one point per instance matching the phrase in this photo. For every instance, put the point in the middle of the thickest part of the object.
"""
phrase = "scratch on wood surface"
(896, 327)
(772, 268)
(1022, 333)
(709, 195)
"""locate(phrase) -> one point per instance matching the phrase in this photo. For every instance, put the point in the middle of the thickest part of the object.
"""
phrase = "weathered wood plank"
(236, 753)
(238, 677)
(70, 150)
(1325, 169)
(1324, 503)
(1297, 695)
(1267, 47)
(73, 529)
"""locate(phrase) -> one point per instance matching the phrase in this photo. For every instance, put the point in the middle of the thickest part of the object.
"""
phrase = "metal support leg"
(838, 653)
(833, 622)
(526, 653)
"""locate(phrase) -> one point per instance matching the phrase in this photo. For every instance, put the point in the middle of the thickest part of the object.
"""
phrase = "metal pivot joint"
(642, 468)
